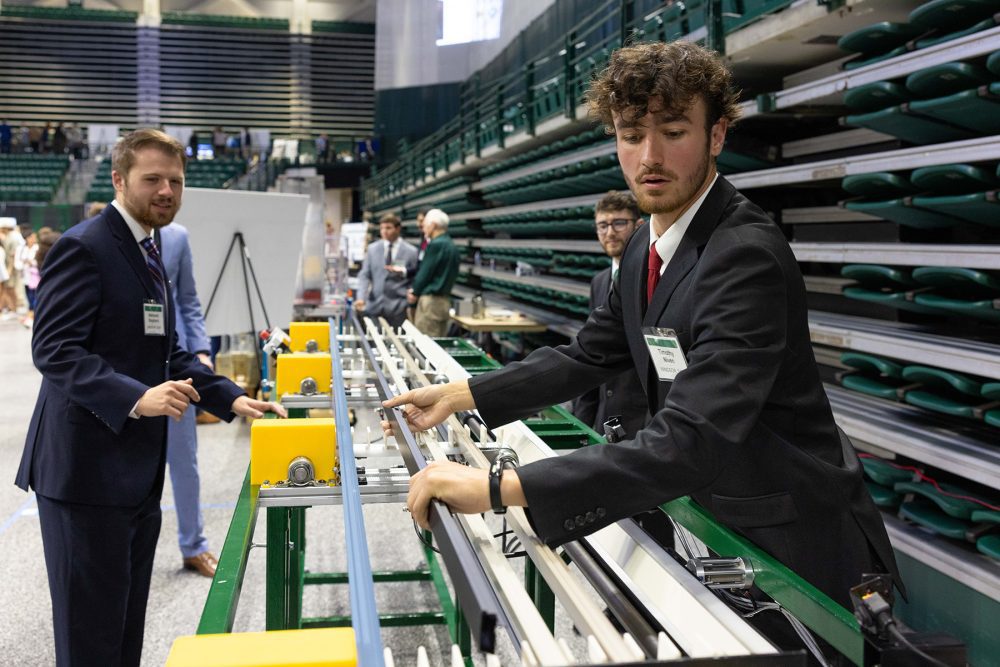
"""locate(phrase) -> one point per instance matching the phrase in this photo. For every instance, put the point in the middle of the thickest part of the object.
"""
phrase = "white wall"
(405, 52)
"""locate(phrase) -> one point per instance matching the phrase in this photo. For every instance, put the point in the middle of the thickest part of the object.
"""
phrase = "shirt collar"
(137, 231)
(675, 232)
(615, 264)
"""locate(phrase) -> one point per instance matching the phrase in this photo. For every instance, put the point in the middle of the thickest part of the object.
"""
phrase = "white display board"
(271, 225)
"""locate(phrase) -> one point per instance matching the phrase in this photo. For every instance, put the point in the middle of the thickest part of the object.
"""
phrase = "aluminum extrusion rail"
(478, 601)
(364, 613)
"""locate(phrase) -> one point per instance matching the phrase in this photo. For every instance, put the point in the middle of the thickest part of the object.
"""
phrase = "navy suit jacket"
(621, 396)
(746, 429)
(96, 362)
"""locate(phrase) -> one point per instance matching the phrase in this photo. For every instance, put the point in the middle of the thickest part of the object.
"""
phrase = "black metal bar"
(473, 592)
(218, 279)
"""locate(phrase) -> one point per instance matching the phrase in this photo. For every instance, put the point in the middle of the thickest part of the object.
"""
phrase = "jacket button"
(568, 524)
(579, 520)
(610, 393)
(601, 512)
(591, 517)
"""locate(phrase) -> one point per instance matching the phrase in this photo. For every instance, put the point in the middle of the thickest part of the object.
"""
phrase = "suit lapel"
(130, 249)
(684, 259)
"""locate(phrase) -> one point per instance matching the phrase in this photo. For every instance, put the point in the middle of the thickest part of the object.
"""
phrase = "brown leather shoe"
(204, 564)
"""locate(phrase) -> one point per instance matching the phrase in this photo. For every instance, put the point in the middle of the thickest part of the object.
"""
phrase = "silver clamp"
(722, 572)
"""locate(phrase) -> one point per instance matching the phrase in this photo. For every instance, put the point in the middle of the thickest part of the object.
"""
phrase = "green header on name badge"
(152, 308)
(661, 342)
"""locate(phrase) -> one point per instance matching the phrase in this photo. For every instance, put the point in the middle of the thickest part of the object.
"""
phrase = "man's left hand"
(245, 406)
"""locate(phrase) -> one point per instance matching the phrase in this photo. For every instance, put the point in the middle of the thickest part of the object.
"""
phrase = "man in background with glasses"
(616, 216)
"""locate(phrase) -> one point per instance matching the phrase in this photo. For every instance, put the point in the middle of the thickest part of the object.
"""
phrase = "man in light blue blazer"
(386, 274)
(182, 436)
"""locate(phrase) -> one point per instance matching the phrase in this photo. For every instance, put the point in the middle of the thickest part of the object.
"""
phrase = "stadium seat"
(877, 95)
(977, 110)
(877, 185)
(900, 121)
(949, 179)
(904, 212)
(947, 78)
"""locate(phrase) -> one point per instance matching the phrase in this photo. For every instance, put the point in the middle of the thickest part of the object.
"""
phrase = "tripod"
(245, 263)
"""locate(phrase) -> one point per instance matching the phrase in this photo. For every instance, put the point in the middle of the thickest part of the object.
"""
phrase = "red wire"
(924, 478)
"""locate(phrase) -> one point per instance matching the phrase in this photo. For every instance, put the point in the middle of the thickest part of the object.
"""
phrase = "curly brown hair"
(616, 200)
(671, 73)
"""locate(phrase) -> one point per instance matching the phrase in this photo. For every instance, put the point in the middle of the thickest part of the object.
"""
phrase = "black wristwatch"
(505, 458)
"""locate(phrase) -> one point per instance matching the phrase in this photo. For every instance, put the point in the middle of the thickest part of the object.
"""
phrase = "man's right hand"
(169, 399)
(359, 305)
(429, 406)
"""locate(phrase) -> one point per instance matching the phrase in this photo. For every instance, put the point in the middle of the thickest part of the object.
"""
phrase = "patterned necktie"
(653, 274)
(155, 266)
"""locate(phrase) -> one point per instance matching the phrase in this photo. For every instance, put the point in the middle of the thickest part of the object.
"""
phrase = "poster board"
(272, 225)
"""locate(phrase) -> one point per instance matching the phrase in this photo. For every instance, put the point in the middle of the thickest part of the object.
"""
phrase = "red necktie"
(653, 273)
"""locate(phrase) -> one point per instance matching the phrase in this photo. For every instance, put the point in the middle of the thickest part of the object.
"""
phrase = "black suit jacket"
(96, 361)
(622, 395)
(746, 429)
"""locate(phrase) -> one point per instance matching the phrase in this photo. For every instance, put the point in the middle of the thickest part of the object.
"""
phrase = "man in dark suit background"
(112, 372)
(616, 216)
(740, 420)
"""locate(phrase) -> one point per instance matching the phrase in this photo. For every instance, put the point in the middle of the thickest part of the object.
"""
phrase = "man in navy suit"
(710, 309)
(112, 373)
(182, 435)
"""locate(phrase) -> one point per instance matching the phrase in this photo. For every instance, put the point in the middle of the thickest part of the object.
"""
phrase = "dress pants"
(432, 316)
(182, 459)
(99, 561)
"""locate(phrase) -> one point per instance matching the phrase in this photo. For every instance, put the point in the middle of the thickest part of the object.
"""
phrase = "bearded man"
(112, 373)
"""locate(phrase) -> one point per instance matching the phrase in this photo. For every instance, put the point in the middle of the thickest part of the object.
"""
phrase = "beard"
(675, 197)
(144, 212)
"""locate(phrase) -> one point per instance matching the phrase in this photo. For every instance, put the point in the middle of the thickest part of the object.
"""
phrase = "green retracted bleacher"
(876, 95)
(991, 392)
(881, 478)
(31, 178)
(873, 375)
(877, 42)
(976, 110)
(967, 292)
(886, 285)
(988, 544)
(946, 391)
(947, 78)
(950, 179)
(878, 185)
(951, 511)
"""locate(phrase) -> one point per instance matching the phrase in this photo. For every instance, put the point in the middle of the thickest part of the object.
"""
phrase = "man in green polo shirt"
(432, 285)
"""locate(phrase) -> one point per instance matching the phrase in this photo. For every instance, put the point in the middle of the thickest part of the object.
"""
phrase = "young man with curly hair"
(710, 309)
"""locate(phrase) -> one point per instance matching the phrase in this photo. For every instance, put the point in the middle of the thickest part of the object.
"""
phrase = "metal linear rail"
(364, 613)
(566, 245)
(900, 254)
(980, 573)
(968, 150)
(597, 150)
(906, 342)
(915, 434)
(526, 621)
(970, 46)
(475, 596)
(561, 284)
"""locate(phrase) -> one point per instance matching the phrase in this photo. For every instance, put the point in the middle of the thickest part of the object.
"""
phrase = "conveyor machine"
(629, 601)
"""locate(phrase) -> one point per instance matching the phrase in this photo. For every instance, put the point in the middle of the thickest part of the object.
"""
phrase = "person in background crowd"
(386, 274)
(58, 139)
(246, 143)
(30, 275)
(219, 141)
(431, 291)
(74, 141)
(6, 137)
(14, 300)
(322, 148)
(47, 238)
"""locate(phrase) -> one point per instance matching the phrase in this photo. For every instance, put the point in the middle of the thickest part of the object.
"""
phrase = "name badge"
(153, 322)
(665, 351)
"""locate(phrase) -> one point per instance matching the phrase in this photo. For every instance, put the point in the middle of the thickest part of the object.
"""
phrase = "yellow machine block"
(275, 443)
(317, 647)
(302, 332)
(293, 367)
